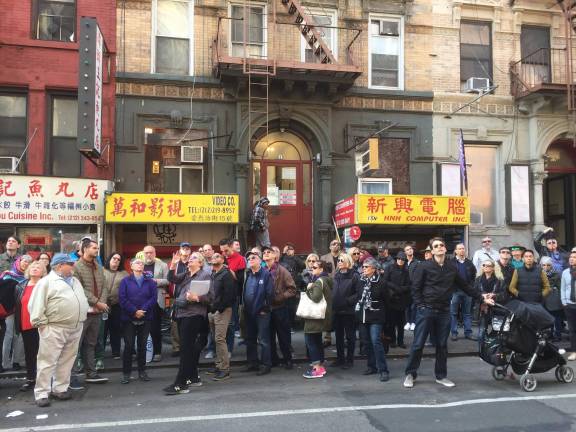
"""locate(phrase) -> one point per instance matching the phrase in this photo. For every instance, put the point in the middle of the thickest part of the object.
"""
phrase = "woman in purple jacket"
(137, 296)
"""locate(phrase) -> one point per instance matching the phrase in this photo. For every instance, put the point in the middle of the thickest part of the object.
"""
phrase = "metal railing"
(285, 44)
(546, 66)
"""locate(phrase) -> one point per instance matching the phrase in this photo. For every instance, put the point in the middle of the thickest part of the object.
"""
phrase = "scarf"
(14, 273)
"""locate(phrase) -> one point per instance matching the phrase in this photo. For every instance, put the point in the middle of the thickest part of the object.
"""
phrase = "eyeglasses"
(551, 242)
(355, 253)
(341, 260)
(487, 265)
(252, 257)
(366, 266)
(334, 244)
(113, 258)
(311, 260)
(438, 245)
(505, 251)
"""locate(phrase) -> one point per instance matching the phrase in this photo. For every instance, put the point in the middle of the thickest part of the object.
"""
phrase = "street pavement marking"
(256, 414)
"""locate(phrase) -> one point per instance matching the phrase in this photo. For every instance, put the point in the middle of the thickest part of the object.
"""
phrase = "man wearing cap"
(559, 256)
(258, 297)
(467, 272)
(485, 252)
(384, 258)
(259, 222)
(91, 277)
(517, 252)
(505, 265)
(58, 307)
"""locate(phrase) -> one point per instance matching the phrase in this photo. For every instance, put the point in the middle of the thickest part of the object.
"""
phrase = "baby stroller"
(518, 336)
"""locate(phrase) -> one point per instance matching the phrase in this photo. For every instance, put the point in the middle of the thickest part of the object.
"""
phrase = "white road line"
(248, 415)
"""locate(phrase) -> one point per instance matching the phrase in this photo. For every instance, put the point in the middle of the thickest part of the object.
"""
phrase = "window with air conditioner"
(368, 185)
(192, 154)
(475, 51)
(255, 24)
(183, 179)
(324, 19)
(13, 134)
(386, 48)
(173, 36)
(482, 162)
(54, 20)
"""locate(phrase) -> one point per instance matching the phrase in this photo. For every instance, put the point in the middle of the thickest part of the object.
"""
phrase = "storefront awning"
(144, 208)
(365, 209)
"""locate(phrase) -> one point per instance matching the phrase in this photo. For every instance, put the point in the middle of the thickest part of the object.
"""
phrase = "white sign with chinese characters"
(52, 200)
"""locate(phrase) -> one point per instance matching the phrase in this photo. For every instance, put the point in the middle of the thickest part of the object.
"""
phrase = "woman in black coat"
(399, 288)
(345, 292)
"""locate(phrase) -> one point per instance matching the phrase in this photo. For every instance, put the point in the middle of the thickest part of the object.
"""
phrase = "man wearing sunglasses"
(433, 284)
(551, 249)
(484, 253)
(332, 256)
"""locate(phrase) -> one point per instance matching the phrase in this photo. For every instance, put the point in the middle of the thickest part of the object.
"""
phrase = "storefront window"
(50, 239)
(482, 181)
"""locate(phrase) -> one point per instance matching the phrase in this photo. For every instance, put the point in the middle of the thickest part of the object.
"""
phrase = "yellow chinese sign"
(412, 210)
(171, 208)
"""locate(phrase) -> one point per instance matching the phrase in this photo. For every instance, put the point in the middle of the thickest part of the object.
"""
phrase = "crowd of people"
(63, 310)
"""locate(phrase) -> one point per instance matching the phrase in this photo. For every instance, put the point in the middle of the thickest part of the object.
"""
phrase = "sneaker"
(116, 356)
(572, 356)
(412, 326)
(322, 370)
(194, 383)
(96, 379)
(75, 384)
(409, 381)
(143, 376)
(264, 370)
(445, 382)
(176, 390)
(27, 386)
(369, 371)
(209, 355)
(384, 376)
(221, 376)
(454, 338)
(407, 327)
(125, 379)
(312, 374)
(236, 334)
(213, 371)
(61, 396)
(16, 366)
(157, 357)
(249, 368)
(43, 402)
(99, 365)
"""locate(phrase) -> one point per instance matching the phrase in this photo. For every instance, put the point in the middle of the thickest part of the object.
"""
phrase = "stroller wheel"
(498, 373)
(528, 382)
(564, 374)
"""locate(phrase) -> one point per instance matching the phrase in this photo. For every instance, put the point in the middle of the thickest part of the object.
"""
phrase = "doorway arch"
(281, 169)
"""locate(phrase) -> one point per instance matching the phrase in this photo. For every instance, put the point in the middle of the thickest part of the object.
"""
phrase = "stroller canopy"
(532, 315)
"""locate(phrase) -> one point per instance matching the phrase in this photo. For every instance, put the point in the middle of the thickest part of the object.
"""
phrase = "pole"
(336, 229)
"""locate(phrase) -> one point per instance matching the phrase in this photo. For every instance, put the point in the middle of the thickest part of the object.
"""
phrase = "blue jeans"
(371, 335)
(426, 321)
(258, 333)
(280, 327)
(460, 298)
(315, 347)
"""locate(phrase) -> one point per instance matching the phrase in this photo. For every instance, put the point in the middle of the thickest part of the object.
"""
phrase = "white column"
(538, 192)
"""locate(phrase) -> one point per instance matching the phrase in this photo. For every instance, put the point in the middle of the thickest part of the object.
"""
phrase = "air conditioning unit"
(192, 154)
(477, 218)
(8, 164)
(477, 85)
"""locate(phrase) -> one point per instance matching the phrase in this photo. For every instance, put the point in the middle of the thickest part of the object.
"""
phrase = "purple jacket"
(133, 298)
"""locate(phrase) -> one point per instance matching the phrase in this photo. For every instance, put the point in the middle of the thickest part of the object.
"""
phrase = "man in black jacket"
(224, 288)
(467, 270)
(433, 284)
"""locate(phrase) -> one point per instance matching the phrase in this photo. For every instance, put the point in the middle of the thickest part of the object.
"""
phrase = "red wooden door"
(287, 184)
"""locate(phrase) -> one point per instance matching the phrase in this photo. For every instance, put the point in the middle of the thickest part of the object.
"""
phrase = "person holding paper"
(191, 301)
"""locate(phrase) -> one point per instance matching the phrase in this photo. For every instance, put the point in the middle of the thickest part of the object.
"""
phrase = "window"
(65, 159)
(535, 46)
(12, 124)
(482, 182)
(381, 186)
(183, 179)
(475, 51)
(173, 34)
(321, 17)
(386, 60)
(55, 20)
(256, 25)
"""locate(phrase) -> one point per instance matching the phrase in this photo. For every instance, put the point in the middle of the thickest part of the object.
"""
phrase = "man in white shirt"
(484, 253)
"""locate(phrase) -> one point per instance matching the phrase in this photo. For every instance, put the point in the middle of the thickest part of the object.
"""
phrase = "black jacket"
(399, 286)
(470, 269)
(295, 266)
(373, 301)
(345, 292)
(433, 285)
(224, 287)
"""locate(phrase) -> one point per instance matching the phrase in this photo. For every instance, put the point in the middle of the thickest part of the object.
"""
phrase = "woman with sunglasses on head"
(553, 301)
(320, 287)
(191, 313)
(113, 274)
(307, 272)
(489, 281)
(355, 253)
(345, 292)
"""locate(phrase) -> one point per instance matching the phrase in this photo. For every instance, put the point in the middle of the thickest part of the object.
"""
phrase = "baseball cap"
(249, 253)
(61, 258)
(185, 244)
(265, 248)
(382, 247)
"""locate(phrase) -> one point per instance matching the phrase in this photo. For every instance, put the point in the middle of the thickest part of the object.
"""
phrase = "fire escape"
(257, 52)
(550, 71)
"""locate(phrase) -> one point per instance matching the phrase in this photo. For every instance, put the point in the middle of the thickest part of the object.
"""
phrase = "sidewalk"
(459, 348)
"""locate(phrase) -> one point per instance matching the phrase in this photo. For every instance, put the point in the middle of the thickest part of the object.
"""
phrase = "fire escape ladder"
(308, 29)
